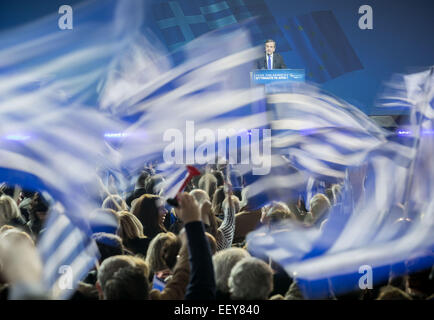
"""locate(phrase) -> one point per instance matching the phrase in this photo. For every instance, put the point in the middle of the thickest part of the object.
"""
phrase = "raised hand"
(188, 210)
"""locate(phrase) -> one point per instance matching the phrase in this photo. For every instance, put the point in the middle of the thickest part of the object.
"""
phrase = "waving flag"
(364, 232)
(209, 93)
(51, 138)
(321, 134)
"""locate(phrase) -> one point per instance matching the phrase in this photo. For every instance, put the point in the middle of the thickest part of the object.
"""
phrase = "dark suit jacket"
(278, 62)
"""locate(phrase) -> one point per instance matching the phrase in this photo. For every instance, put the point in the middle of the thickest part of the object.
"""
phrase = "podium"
(277, 80)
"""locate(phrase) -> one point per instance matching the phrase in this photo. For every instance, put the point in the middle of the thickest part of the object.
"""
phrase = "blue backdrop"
(321, 36)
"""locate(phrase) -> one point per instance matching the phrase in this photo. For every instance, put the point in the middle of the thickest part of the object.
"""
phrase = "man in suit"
(271, 60)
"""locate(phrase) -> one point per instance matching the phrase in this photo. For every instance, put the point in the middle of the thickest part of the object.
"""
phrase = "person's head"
(123, 277)
(170, 250)
(129, 283)
(208, 183)
(270, 46)
(329, 193)
(151, 213)
(15, 235)
(114, 202)
(220, 178)
(250, 279)
(153, 184)
(154, 256)
(108, 245)
(104, 220)
(141, 180)
(208, 218)
(5, 228)
(319, 206)
(217, 201)
(130, 227)
(212, 243)
(393, 293)
(18, 251)
(223, 262)
(200, 196)
(277, 212)
(337, 191)
(8, 210)
(235, 201)
(39, 207)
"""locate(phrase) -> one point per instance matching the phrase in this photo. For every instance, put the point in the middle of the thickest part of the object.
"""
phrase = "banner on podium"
(277, 75)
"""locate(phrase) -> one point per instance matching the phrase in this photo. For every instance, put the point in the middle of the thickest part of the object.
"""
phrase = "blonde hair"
(130, 226)
(199, 195)
(235, 201)
(114, 202)
(277, 211)
(15, 235)
(8, 209)
(154, 256)
(319, 205)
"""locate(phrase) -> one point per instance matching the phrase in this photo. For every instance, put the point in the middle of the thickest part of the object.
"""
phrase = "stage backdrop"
(350, 47)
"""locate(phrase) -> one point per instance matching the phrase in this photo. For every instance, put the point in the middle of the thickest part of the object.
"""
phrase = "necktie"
(269, 61)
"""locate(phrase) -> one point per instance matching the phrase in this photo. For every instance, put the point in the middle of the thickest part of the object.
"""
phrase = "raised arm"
(227, 228)
(201, 285)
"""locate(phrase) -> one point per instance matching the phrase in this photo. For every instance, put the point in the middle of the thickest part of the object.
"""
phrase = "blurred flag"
(67, 253)
(173, 178)
(363, 234)
(52, 136)
(322, 44)
(209, 92)
(320, 134)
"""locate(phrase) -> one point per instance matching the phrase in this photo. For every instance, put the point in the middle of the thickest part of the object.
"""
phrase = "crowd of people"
(197, 250)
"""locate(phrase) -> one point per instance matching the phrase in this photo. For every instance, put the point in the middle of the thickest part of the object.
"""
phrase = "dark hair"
(270, 40)
(108, 244)
(141, 179)
(146, 210)
(128, 283)
(220, 178)
(151, 182)
(39, 203)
